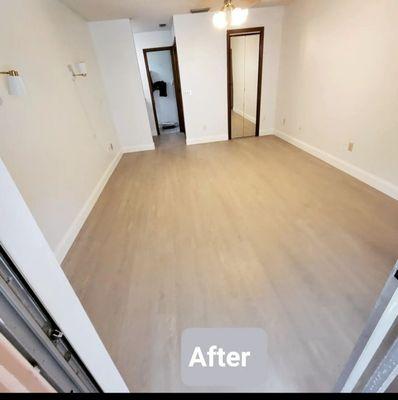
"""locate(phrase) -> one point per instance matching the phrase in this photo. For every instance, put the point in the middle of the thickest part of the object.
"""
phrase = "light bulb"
(220, 20)
(239, 16)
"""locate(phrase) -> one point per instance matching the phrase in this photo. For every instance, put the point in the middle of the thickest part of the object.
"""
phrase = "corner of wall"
(136, 149)
(116, 53)
(267, 132)
(73, 231)
(372, 180)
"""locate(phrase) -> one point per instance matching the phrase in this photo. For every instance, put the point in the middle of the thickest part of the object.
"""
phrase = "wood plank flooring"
(246, 233)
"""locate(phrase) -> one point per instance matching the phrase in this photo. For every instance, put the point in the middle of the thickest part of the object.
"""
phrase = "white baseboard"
(247, 116)
(208, 139)
(267, 132)
(136, 149)
(372, 180)
(70, 236)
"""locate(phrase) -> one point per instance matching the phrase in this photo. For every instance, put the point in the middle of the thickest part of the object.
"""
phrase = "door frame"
(177, 83)
(245, 32)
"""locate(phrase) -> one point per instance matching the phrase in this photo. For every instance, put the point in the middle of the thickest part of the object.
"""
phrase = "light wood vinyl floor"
(247, 233)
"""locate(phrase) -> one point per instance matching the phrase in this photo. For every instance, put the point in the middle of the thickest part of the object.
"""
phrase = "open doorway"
(164, 84)
(245, 66)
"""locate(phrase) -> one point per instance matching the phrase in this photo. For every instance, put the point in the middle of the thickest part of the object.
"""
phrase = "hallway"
(169, 140)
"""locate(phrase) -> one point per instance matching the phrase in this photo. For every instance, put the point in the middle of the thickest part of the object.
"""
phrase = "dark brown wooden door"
(177, 84)
(231, 80)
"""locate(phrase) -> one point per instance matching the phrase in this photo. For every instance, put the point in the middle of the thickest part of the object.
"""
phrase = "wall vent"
(200, 10)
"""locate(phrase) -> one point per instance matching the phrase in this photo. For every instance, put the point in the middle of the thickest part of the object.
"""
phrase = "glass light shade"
(81, 68)
(239, 16)
(220, 20)
(16, 86)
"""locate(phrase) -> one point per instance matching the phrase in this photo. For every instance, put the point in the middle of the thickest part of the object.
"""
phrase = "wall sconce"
(16, 86)
(79, 69)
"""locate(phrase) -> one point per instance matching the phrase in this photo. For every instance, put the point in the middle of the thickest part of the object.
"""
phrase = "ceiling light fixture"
(230, 16)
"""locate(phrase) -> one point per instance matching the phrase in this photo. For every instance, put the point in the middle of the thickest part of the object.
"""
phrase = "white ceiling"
(148, 14)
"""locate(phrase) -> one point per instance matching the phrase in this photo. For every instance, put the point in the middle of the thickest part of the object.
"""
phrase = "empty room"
(198, 196)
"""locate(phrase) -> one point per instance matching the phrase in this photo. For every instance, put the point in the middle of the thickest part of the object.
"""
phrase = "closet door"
(238, 86)
(252, 43)
(244, 64)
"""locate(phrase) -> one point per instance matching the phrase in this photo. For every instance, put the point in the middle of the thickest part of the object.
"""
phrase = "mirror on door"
(244, 75)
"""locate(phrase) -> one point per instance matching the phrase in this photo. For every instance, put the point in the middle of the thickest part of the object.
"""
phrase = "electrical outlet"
(284, 121)
(351, 147)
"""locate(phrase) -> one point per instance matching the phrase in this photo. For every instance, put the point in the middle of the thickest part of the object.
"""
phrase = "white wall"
(114, 45)
(25, 244)
(161, 69)
(338, 83)
(203, 69)
(147, 40)
(55, 140)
